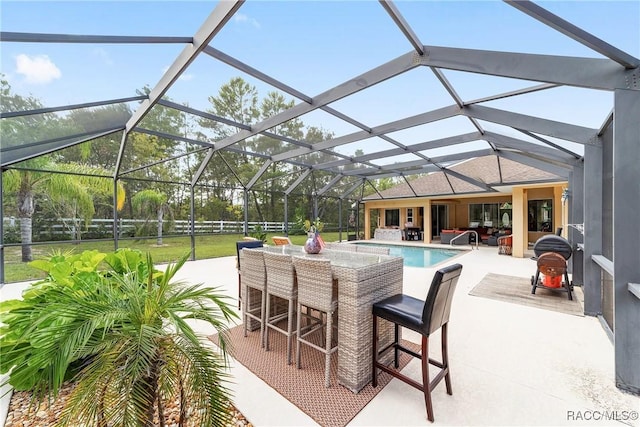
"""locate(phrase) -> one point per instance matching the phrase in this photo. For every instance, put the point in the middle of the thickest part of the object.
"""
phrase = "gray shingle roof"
(485, 170)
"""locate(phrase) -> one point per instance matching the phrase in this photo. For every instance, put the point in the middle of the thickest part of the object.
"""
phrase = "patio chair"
(317, 290)
(552, 253)
(424, 317)
(281, 240)
(281, 283)
(505, 245)
(254, 290)
(239, 246)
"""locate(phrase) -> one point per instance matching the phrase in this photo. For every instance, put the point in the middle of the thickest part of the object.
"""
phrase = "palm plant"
(152, 200)
(60, 182)
(127, 331)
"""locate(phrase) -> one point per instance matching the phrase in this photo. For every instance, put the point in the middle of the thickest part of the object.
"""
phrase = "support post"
(192, 225)
(367, 222)
(592, 230)
(315, 206)
(1, 229)
(340, 220)
(520, 229)
(116, 229)
(427, 220)
(245, 227)
(286, 214)
(626, 238)
(576, 216)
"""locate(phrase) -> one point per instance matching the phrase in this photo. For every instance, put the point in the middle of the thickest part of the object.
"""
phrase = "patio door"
(439, 219)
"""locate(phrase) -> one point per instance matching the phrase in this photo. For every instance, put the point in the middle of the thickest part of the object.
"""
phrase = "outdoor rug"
(333, 406)
(517, 290)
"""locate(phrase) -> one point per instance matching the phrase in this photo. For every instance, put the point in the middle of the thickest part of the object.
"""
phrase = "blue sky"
(311, 46)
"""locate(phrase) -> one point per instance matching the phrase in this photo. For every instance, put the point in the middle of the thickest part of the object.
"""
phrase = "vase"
(312, 245)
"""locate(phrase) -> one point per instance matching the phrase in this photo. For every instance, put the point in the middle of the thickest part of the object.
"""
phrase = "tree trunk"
(26, 207)
(257, 203)
(160, 215)
(25, 235)
(151, 386)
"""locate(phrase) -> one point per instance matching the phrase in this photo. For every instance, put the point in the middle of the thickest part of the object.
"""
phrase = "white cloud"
(244, 19)
(37, 69)
(183, 77)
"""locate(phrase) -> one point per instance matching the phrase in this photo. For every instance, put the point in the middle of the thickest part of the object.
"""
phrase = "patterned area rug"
(333, 406)
(517, 290)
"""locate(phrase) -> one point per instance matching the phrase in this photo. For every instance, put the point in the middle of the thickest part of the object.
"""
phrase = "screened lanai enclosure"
(128, 121)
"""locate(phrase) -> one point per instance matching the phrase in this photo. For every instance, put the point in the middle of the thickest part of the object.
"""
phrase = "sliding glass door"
(439, 219)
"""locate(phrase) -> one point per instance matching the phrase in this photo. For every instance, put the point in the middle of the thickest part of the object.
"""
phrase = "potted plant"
(121, 335)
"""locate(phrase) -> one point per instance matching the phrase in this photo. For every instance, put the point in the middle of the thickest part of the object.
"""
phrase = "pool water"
(415, 256)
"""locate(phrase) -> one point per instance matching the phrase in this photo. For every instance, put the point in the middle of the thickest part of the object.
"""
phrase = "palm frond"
(126, 334)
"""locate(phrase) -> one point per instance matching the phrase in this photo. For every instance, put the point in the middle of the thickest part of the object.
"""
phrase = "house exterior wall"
(458, 211)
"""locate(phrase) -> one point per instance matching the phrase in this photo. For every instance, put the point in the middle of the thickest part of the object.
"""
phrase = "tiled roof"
(482, 169)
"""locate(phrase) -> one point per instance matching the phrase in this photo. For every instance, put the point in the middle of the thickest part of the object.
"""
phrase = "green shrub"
(117, 326)
(258, 233)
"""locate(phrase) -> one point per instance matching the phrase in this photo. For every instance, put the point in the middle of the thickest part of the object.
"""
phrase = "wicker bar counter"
(362, 280)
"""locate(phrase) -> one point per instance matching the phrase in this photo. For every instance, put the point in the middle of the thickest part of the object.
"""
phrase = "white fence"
(126, 226)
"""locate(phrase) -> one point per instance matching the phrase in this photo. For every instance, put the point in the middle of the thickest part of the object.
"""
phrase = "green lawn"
(172, 249)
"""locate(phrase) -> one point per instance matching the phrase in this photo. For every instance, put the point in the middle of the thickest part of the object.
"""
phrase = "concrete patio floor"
(510, 364)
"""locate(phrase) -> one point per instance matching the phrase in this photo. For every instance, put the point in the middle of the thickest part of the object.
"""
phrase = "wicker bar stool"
(317, 290)
(254, 289)
(240, 246)
(281, 283)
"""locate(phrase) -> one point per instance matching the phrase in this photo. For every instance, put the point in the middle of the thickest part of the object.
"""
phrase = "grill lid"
(553, 243)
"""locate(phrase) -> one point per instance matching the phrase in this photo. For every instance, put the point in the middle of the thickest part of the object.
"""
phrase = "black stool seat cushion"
(402, 309)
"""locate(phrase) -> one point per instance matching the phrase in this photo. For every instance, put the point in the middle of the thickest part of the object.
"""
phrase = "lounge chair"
(281, 240)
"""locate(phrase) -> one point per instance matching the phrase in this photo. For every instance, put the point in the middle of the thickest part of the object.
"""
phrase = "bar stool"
(424, 317)
(254, 290)
(317, 290)
(239, 246)
(281, 283)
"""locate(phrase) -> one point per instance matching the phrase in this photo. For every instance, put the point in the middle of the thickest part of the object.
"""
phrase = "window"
(392, 217)
(483, 215)
(540, 215)
(505, 215)
(410, 215)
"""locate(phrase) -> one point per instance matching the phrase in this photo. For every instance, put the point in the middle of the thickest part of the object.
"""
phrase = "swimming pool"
(417, 256)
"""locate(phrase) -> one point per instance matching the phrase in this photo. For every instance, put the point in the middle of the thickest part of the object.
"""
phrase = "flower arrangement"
(314, 226)
(314, 243)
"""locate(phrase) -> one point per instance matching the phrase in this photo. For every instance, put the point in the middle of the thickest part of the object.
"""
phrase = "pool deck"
(510, 364)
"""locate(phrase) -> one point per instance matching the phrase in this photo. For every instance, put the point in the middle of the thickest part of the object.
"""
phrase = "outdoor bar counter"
(362, 280)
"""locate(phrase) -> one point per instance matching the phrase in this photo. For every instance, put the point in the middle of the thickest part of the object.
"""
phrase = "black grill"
(553, 243)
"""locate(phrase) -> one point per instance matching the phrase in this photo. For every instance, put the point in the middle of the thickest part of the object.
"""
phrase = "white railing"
(462, 234)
